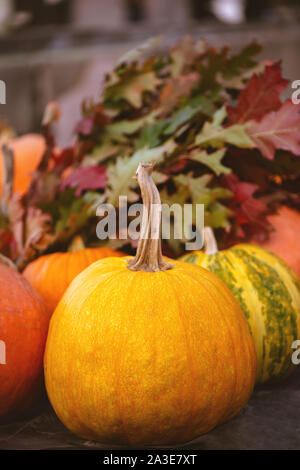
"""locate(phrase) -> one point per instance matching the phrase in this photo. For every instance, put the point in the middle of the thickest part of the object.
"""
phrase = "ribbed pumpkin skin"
(147, 358)
(23, 328)
(268, 292)
(50, 275)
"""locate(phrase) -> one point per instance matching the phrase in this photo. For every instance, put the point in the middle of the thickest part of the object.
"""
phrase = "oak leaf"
(261, 95)
(90, 177)
(278, 130)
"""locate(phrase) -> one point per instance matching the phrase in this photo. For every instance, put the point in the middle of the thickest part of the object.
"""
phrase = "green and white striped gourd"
(268, 292)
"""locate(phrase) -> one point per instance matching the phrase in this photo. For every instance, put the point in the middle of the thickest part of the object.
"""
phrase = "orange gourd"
(50, 275)
(147, 350)
(28, 151)
(284, 241)
(23, 331)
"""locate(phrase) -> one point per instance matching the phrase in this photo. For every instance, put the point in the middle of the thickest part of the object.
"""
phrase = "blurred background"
(60, 49)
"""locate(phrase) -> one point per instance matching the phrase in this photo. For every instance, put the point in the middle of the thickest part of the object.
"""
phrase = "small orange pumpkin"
(28, 151)
(23, 331)
(284, 241)
(50, 275)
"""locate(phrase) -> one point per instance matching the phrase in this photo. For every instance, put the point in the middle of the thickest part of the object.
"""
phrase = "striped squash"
(269, 294)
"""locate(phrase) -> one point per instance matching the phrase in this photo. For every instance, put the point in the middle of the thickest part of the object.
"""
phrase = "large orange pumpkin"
(23, 331)
(50, 275)
(147, 350)
(284, 241)
(28, 151)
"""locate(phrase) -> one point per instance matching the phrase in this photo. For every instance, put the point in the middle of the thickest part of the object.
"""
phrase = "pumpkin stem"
(77, 244)
(8, 176)
(8, 262)
(148, 254)
(210, 243)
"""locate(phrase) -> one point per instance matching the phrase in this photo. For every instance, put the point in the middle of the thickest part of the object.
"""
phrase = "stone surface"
(271, 420)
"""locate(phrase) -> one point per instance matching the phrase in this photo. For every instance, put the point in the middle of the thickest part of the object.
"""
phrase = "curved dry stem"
(210, 243)
(148, 254)
(77, 244)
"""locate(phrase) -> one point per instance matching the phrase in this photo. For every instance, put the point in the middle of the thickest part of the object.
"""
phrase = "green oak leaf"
(219, 117)
(217, 215)
(131, 88)
(101, 152)
(211, 160)
(243, 60)
(199, 191)
(72, 216)
(151, 135)
(184, 54)
(197, 187)
(180, 117)
(216, 137)
(128, 127)
(121, 181)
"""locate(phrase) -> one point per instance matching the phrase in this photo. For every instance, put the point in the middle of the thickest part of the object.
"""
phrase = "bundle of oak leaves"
(212, 122)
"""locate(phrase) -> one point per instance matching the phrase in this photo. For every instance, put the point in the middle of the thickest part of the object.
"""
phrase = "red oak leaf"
(96, 117)
(278, 130)
(261, 96)
(176, 167)
(6, 239)
(91, 177)
(240, 189)
(62, 157)
(247, 209)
